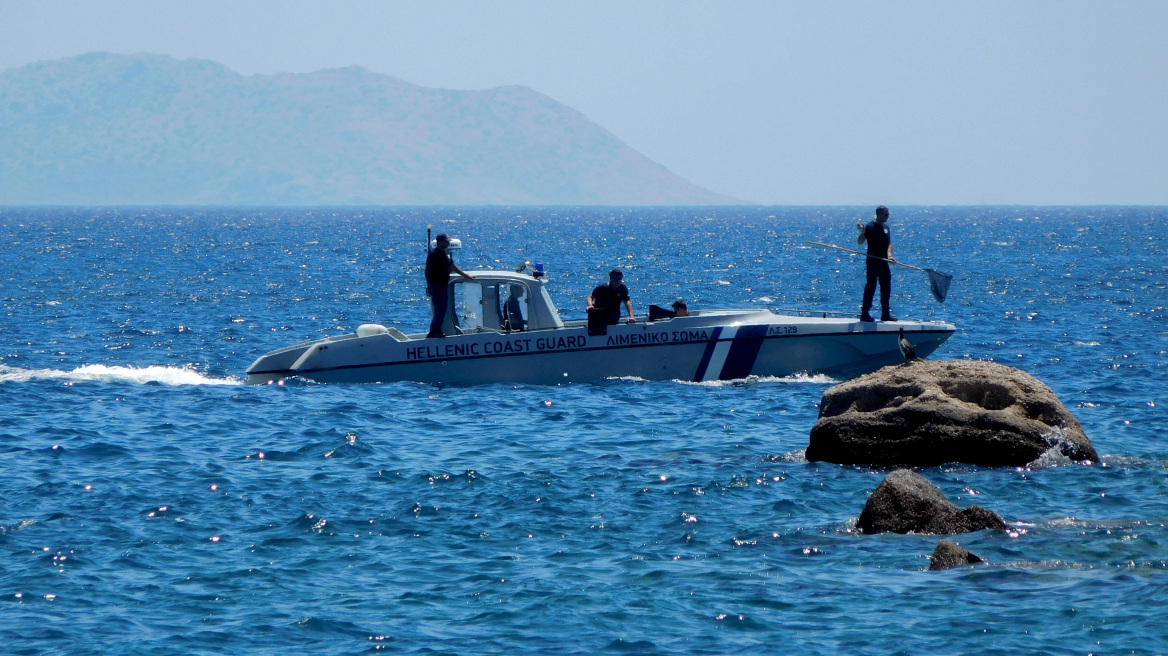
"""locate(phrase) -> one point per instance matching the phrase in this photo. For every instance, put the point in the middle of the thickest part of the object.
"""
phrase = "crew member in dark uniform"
(439, 264)
(879, 239)
(609, 296)
(514, 309)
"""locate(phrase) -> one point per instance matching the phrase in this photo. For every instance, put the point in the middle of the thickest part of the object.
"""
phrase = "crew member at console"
(514, 309)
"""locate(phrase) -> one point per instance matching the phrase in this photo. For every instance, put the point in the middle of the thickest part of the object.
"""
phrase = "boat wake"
(815, 379)
(115, 374)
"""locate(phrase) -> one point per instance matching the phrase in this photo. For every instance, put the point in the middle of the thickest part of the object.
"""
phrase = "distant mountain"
(146, 129)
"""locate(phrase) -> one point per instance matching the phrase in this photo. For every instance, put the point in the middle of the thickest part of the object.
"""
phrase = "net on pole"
(939, 283)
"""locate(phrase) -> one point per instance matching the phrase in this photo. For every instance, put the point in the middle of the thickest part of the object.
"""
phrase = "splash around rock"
(928, 413)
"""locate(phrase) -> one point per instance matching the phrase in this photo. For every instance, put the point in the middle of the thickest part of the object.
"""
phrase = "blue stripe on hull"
(743, 352)
(709, 353)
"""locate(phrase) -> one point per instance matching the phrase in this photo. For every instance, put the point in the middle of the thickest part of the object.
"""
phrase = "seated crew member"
(439, 264)
(680, 309)
(514, 309)
(607, 298)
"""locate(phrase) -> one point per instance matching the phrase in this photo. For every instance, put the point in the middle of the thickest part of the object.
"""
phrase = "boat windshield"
(504, 304)
(477, 304)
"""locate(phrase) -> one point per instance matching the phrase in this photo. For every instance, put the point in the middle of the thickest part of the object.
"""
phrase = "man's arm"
(460, 271)
(629, 307)
(588, 303)
(863, 236)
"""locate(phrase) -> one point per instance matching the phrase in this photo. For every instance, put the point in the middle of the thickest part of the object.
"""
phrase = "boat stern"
(276, 365)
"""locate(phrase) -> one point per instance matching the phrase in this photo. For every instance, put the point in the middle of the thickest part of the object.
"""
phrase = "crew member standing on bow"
(879, 240)
(439, 264)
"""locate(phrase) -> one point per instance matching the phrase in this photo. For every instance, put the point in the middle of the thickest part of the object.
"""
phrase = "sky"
(771, 102)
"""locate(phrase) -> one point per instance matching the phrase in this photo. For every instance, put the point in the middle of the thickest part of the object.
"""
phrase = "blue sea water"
(150, 503)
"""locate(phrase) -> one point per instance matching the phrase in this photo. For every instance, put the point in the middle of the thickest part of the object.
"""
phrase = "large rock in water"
(905, 502)
(927, 413)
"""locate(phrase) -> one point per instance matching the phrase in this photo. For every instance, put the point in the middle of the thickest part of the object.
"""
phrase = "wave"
(1060, 449)
(817, 379)
(103, 373)
(1052, 457)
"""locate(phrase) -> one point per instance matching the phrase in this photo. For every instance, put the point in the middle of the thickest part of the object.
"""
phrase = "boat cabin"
(499, 301)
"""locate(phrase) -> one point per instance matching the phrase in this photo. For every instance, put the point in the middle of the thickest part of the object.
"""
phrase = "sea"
(153, 503)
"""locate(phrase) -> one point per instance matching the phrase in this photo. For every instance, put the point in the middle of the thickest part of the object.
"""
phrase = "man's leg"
(438, 301)
(886, 293)
(869, 292)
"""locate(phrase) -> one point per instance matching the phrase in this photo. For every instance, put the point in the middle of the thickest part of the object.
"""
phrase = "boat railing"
(813, 313)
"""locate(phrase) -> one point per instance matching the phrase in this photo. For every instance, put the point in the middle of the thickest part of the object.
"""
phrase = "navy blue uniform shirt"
(878, 237)
(608, 298)
(438, 268)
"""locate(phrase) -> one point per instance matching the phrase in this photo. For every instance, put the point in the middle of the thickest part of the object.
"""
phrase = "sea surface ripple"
(154, 504)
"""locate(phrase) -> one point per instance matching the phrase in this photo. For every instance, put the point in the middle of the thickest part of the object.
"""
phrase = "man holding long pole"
(879, 239)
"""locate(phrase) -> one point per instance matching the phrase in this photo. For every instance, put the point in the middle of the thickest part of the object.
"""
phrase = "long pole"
(428, 226)
(938, 282)
(874, 257)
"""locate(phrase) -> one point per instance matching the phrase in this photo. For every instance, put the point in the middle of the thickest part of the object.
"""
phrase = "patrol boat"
(535, 345)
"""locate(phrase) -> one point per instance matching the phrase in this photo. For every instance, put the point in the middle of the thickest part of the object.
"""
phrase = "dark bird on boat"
(906, 348)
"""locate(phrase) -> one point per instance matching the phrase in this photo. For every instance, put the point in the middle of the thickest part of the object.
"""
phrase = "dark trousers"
(878, 272)
(439, 299)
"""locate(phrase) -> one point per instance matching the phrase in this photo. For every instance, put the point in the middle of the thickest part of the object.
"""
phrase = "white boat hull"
(711, 346)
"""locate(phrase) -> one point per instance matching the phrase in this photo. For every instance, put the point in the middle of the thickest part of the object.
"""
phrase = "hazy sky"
(772, 102)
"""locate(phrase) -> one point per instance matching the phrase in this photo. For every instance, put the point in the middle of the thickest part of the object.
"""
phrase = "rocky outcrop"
(948, 555)
(905, 502)
(928, 413)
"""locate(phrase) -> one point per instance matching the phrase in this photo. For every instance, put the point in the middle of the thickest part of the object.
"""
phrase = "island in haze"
(110, 129)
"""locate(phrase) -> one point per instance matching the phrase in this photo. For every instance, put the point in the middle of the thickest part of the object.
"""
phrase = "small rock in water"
(905, 502)
(948, 555)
